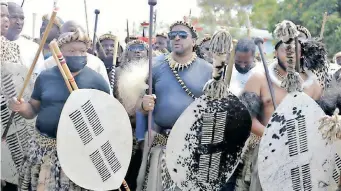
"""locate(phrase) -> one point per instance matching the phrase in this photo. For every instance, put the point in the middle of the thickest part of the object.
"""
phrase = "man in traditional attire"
(28, 48)
(256, 96)
(108, 43)
(178, 78)
(53, 34)
(135, 50)
(41, 169)
(203, 50)
(244, 65)
(161, 42)
(93, 62)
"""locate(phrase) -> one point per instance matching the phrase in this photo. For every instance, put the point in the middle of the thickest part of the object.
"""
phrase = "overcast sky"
(113, 12)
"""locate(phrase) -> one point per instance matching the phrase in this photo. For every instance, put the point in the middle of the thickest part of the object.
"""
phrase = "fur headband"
(77, 36)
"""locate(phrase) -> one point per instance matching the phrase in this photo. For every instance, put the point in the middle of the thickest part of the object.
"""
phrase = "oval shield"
(206, 142)
(94, 140)
(12, 152)
(292, 153)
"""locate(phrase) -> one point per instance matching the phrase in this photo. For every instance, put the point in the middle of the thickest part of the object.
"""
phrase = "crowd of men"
(182, 64)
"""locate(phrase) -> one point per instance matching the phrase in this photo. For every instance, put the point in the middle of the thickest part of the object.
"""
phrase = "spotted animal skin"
(212, 145)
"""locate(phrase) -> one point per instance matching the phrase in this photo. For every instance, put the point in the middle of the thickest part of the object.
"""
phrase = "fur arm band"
(253, 103)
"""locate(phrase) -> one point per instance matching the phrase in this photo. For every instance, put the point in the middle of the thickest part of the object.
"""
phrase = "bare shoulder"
(255, 83)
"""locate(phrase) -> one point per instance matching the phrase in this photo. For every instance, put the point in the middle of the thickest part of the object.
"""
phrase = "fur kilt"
(41, 169)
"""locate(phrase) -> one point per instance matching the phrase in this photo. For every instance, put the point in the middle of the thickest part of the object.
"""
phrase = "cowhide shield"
(205, 144)
(13, 150)
(337, 170)
(292, 153)
(94, 140)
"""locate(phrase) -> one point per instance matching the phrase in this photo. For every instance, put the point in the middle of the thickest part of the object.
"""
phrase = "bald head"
(71, 26)
(17, 19)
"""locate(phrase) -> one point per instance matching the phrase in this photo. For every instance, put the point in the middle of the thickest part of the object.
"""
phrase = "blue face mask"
(75, 63)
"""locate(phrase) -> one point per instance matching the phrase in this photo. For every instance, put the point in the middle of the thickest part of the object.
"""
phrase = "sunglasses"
(182, 34)
(136, 47)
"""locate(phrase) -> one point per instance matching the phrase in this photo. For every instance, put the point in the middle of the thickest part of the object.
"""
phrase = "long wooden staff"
(151, 3)
(86, 18)
(60, 68)
(95, 30)
(29, 74)
(325, 16)
(65, 69)
(258, 42)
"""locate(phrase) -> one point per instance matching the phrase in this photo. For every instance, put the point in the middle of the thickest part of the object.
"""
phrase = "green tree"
(262, 12)
(309, 13)
(228, 13)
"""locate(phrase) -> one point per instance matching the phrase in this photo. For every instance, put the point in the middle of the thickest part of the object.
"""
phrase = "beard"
(244, 70)
(281, 64)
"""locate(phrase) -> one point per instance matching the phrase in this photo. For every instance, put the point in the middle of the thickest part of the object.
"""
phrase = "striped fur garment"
(220, 46)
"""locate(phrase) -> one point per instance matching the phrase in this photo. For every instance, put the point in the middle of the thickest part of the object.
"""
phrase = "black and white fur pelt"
(315, 59)
(221, 46)
(331, 98)
(287, 31)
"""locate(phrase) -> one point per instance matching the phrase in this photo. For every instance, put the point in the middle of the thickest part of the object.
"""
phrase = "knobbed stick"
(151, 3)
(258, 42)
(29, 74)
(60, 69)
(61, 59)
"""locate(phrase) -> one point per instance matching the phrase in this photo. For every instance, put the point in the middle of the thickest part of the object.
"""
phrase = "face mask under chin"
(76, 63)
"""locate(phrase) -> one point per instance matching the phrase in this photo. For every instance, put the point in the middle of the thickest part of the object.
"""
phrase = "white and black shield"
(206, 142)
(13, 150)
(94, 140)
(292, 153)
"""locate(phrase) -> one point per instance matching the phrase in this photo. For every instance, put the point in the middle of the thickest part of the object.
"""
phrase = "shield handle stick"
(101, 47)
(151, 3)
(60, 68)
(258, 42)
(62, 61)
(65, 70)
(29, 74)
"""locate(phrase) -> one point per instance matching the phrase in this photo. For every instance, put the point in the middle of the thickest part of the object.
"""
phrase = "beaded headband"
(193, 31)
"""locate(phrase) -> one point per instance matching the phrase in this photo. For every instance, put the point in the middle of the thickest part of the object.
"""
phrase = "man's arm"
(252, 100)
